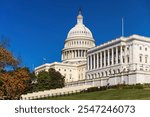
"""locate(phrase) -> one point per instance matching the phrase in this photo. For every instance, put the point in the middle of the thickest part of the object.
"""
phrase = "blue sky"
(37, 29)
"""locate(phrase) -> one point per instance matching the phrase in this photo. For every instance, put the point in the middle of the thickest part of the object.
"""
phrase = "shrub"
(138, 86)
(92, 89)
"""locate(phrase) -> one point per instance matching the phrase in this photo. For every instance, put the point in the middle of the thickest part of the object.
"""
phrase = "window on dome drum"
(145, 49)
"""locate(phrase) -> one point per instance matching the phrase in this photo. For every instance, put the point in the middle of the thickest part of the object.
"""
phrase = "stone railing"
(54, 92)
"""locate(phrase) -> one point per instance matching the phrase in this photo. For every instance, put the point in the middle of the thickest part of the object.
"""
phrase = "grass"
(110, 94)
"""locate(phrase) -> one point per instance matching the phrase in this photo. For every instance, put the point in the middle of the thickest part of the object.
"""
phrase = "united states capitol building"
(124, 60)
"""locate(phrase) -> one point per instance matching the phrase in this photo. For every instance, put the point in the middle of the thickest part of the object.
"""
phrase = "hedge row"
(119, 86)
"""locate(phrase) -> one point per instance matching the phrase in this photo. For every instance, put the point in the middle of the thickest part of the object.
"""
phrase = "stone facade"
(120, 61)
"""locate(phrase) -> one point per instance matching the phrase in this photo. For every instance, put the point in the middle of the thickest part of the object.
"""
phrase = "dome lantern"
(80, 18)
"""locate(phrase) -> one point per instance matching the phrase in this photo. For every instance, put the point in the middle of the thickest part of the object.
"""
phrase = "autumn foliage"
(12, 82)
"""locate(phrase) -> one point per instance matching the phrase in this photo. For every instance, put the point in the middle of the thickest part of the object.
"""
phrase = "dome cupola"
(79, 29)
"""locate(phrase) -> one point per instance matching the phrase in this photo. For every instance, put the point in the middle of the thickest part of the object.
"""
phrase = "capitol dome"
(79, 29)
(79, 40)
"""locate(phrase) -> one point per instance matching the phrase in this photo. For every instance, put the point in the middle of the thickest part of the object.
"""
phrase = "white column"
(78, 53)
(108, 61)
(94, 60)
(69, 54)
(65, 55)
(121, 54)
(75, 52)
(130, 55)
(88, 59)
(104, 58)
(97, 60)
(112, 56)
(117, 55)
(125, 54)
(91, 62)
(84, 53)
(101, 60)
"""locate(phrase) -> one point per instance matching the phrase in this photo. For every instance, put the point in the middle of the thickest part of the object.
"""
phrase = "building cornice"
(119, 40)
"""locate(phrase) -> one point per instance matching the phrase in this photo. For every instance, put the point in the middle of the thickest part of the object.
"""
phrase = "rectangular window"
(140, 58)
(146, 59)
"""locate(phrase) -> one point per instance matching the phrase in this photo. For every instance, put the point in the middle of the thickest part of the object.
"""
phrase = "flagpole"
(122, 27)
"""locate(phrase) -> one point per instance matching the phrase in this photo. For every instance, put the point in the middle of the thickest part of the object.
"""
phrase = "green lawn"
(110, 94)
